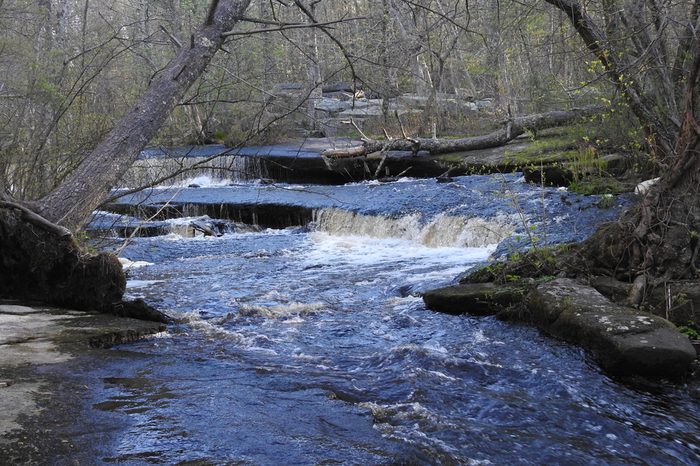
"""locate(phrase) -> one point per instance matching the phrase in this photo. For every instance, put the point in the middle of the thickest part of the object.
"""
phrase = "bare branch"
(288, 26)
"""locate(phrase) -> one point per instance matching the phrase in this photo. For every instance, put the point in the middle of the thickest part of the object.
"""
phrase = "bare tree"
(84, 188)
(650, 51)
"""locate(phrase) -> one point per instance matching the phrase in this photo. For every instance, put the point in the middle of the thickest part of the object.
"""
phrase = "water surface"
(312, 346)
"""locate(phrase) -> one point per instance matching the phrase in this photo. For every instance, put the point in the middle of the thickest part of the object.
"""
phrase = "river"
(311, 345)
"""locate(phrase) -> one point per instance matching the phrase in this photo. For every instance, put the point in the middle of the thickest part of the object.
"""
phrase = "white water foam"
(134, 284)
(128, 264)
(414, 423)
(389, 257)
(204, 181)
(214, 328)
(288, 310)
(442, 230)
(220, 171)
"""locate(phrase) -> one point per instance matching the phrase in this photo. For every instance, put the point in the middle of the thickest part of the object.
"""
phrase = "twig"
(133, 233)
(381, 164)
(403, 131)
(403, 172)
(286, 27)
(172, 38)
(364, 136)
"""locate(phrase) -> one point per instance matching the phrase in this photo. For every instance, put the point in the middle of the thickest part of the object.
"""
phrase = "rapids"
(311, 345)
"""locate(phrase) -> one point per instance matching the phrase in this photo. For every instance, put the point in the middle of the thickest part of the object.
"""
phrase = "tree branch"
(513, 128)
(287, 26)
(36, 219)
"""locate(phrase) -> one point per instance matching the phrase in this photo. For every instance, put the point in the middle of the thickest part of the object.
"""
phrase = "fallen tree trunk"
(512, 128)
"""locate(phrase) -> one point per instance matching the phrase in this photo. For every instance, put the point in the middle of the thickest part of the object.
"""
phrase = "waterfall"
(220, 170)
(443, 230)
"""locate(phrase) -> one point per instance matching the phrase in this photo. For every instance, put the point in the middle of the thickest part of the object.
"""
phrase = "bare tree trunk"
(313, 69)
(388, 73)
(82, 191)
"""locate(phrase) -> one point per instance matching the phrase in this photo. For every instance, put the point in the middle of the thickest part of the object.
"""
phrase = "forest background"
(69, 69)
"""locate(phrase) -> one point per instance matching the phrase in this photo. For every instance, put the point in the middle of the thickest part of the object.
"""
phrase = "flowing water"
(311, 345)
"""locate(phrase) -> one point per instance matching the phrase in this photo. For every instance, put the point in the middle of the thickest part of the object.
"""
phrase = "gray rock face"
(484, 103)
(623, 340)
(362, 112)
(335, 106)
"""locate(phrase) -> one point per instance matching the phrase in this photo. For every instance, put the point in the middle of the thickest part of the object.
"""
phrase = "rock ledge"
(623, 340)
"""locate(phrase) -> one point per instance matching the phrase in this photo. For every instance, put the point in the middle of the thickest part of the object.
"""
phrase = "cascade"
(221, 170)
(443, 230)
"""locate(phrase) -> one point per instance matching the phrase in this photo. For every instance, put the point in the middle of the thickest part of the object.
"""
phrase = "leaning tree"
(39, 258)
(72, 202)
(650, 51)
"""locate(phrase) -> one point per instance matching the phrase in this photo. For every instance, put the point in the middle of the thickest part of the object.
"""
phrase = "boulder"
(623, 340)
(612, 288)
(616, 164)
(332, 106)
(341, 87)
(412, 101)
(372, 109)
(337, 106)
(484, 103)
(140, 310)
(473, 298)
(338, 95)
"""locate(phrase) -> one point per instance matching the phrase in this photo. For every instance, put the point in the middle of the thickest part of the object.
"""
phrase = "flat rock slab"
(473, 298)
(38, 335)
(623, 340)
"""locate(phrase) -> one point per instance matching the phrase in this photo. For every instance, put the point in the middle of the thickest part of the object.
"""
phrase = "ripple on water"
(315, 347)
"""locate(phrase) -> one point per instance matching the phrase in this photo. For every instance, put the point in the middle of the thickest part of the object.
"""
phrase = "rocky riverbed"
(301, 332)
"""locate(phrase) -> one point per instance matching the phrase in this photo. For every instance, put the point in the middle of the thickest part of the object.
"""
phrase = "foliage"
(691, 330)
(541, 264)
(67, 74)
(596, 184)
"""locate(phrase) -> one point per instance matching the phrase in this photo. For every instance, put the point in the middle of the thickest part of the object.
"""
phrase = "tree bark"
(71, 203)
(512, 128)
(645, 101)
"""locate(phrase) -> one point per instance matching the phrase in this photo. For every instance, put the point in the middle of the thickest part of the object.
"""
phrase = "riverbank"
(557, 156)
(32, 339)
(623, 340)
